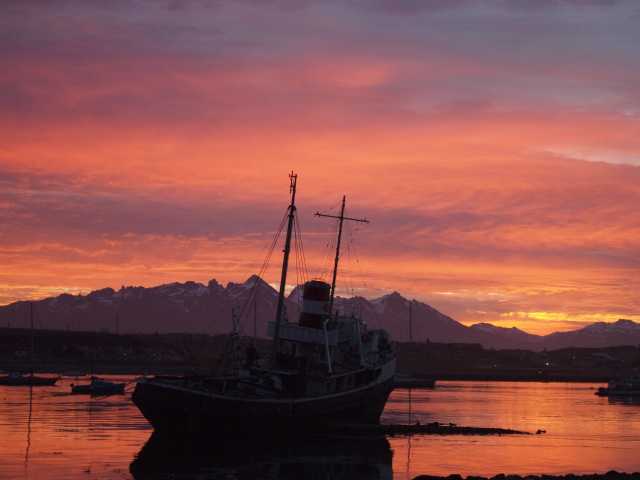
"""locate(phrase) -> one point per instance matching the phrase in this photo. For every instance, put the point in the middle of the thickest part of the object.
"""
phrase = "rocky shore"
(611, 475)
(433, 428)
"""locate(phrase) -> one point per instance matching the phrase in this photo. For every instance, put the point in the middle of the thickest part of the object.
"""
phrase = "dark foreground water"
(45, 433)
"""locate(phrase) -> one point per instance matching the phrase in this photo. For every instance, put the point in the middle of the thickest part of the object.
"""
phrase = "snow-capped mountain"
(601, 334)
(502, 337)
(392, 312)
(174, 307)
(199, 308)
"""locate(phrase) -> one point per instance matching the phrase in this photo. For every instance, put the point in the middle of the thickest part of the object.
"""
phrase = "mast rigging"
(293, 179)
(341, 219)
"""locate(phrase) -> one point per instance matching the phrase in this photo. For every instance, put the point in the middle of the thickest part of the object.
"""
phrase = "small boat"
(21, 380)
(98, 387)
(621, 387)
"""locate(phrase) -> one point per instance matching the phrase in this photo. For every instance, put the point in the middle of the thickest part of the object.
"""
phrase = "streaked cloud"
(495, 145)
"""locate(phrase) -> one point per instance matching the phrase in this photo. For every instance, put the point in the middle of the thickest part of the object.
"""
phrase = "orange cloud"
(158, 151)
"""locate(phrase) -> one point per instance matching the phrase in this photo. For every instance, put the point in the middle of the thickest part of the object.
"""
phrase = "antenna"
(341, 219)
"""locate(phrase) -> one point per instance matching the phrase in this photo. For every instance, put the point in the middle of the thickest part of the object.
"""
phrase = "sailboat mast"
(293, 178)
(341, 218)
(337, 258)
(255, 316)
(32, 337)
(410, 321)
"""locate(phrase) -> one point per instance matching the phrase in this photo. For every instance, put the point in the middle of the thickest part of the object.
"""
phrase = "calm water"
(47, 433)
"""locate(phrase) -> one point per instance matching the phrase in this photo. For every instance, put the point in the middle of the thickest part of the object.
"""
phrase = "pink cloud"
(152, 145)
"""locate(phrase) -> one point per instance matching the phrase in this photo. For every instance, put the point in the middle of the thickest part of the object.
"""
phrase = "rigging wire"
(357, 277)
(325, 266)
(327, 261)
(302, 272)
(347, 262)
(296, 252)
(300, 248)
(233, 345)
(359, 268)
(263, 268)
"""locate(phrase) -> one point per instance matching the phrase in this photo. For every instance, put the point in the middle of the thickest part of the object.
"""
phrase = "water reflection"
(48, 433)
(28, 447)
(334, 458)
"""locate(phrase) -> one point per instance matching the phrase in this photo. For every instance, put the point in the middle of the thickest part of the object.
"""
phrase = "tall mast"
(255, 315)
(32, 336)
(335, 261)
(293, 178)
(341, 219)
(410, 322)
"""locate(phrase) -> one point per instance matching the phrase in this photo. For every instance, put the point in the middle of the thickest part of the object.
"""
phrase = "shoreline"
(403, 381)
(418, 364)
(610, 475)
(522, 377)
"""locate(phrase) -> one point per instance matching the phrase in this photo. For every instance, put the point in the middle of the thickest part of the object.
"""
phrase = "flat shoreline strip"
(611, 475)
(434, 428)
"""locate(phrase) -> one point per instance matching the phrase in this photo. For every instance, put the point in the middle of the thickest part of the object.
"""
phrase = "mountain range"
(196, 307)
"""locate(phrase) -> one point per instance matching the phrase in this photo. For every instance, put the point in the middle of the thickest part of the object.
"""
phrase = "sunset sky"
(495, 145)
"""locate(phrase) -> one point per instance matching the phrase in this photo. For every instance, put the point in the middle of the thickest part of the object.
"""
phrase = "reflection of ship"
(622, 387)
(323, 458)
(324, 369)
(28, 446)
(18, 379)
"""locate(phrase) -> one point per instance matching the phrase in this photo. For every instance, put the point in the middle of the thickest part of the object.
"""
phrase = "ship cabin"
(324, 353)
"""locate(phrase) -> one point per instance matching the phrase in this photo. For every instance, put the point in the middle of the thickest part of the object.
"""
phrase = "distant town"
(70, 352)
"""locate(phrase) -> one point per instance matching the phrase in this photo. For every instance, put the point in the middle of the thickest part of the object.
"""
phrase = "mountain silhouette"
(199, 308)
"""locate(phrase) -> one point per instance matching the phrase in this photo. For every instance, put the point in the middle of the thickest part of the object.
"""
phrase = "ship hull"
(170, 408)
